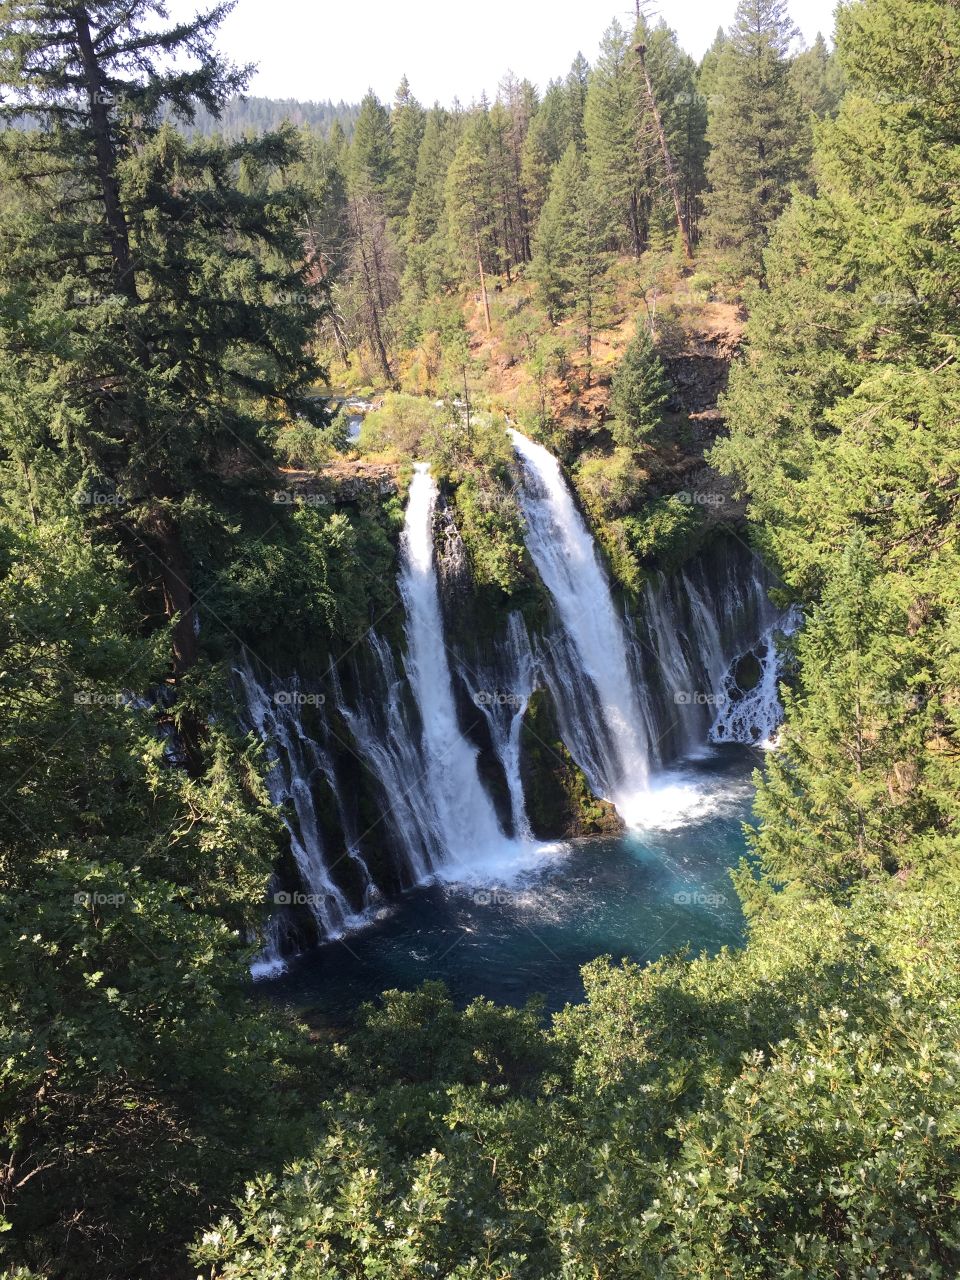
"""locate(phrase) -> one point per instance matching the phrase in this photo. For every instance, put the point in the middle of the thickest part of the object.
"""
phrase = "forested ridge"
(175, 303)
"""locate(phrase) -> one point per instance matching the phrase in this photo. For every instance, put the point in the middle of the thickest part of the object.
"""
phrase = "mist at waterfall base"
(637, 896)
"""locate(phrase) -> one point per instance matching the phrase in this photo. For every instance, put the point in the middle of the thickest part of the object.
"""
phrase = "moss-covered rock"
(559, 801)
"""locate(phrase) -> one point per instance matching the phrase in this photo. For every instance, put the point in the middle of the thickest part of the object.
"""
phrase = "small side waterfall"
(503, 694)
(567, 561)
(386, 737)
(295, 761)
(754, 714)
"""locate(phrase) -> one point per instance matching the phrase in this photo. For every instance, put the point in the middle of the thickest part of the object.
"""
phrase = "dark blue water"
(638, 896)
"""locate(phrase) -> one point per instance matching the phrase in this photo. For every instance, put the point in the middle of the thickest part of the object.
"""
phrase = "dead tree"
(670, 171)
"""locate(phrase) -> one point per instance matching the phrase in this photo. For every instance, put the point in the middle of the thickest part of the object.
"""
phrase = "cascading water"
(564, 553)
(468, 829)
(755, 714)
(294, 760)
(386, 739)
(503, 694)
(699, 663)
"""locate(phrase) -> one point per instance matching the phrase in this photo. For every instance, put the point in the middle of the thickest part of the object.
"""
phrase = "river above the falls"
(637, 896)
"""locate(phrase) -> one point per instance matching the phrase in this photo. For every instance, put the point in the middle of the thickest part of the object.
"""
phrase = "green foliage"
(664, 532)
(756, 133)
(779, 1111)
(407, 426)
(490, 524)
(639, 391)
(569, 260)
(846, 437)
(133, 1064)
(610, 485)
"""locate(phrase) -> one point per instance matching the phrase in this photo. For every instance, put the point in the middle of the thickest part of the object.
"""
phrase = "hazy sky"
(317, 49)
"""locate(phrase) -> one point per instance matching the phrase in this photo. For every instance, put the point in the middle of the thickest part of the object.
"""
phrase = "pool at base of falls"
(652, 891)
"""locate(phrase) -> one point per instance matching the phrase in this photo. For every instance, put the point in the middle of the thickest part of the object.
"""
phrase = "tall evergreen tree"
(846, 436)
(817, 80)
(149, 296)
(755, 133)
(407, 124)
(612, 122)
(543, 146)
(371, 148)
(471, 207)
(639, 391)
(569, 259)
(575, 94)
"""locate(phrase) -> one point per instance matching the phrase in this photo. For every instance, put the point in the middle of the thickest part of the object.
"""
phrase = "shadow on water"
(637, 897)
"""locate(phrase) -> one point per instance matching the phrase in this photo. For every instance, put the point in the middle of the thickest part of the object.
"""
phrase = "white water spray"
(468, 826)
(567, 561)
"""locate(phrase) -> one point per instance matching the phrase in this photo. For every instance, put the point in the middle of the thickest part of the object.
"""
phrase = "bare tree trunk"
(671, 174)
(374, 294)
(639, 238)
(483, 285)
(99, 98)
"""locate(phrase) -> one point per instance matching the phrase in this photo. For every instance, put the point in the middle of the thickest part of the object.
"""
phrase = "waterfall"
(699, 663)
(754, 715)
(386, 738)
(617, 751)
(503, 694)
(467, 822)
(295, 761)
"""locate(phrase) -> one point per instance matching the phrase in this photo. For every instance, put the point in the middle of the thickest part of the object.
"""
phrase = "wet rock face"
(747, 672)
(453, 570)
(698, 381)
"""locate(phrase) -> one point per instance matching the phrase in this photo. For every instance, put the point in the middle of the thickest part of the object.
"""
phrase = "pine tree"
(845, 435)
(569, 258)
(755, 133)
(152, 297)
(542, 149)
(407, 124)
(612, 124)
(575, 96)
(817, 80)
(471, 207)
(371, 149)
(639, 391)
(427, 271)
(682, 118)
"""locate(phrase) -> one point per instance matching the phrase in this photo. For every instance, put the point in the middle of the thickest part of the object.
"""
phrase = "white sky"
(319, 49)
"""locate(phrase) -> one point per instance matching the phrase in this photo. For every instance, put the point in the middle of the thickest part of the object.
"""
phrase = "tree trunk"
(635, 225)
(99, 98)
(667, 159)
(483, 285)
